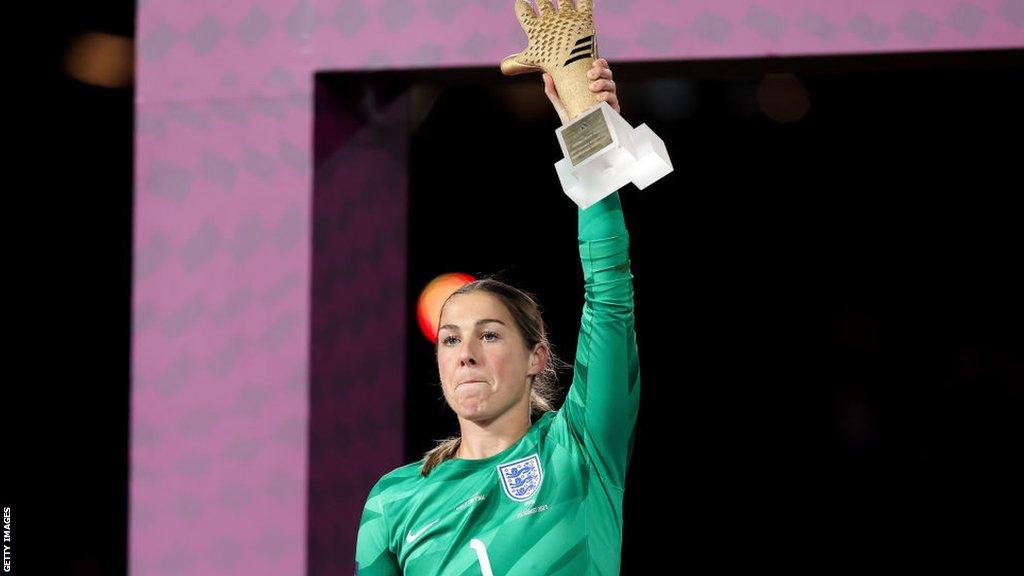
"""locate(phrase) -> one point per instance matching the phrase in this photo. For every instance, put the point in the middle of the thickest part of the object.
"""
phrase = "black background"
(66, 391)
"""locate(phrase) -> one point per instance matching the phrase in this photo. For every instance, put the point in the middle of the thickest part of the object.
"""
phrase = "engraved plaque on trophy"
(586, 136)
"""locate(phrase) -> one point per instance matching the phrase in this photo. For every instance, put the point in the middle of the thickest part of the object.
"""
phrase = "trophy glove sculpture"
(561, 42)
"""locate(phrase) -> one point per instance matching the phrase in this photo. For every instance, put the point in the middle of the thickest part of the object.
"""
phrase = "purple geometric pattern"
(241, 43)
(220, 403)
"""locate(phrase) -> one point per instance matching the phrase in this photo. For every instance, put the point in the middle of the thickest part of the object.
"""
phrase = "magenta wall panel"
(223, 198)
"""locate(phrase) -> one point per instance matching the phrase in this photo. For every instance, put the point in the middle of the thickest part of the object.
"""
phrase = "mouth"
(461, 384)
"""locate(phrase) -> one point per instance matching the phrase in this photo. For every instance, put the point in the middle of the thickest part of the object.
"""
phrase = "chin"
(473, 412)
(476, 413)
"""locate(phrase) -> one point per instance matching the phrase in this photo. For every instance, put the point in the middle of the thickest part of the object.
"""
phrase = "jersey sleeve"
(600, 409)
(373, 553)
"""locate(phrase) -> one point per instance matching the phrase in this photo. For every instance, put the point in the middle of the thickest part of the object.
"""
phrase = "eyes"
(485, 336)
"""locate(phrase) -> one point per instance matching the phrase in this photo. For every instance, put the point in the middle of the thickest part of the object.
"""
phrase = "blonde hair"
(543, 386)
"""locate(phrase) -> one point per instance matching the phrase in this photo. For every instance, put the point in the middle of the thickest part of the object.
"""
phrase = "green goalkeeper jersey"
(552, 502)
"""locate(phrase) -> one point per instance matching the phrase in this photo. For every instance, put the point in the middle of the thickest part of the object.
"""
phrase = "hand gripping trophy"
(602, 151)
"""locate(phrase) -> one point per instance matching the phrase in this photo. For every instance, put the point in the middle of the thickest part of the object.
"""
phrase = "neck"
(483, 440)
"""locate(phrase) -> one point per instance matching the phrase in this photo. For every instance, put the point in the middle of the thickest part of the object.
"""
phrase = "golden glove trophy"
(602, 151)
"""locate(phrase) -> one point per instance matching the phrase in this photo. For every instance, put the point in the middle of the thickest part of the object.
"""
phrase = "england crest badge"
(521, 478)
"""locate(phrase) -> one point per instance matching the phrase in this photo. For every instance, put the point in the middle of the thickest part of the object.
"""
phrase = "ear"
(538, 359)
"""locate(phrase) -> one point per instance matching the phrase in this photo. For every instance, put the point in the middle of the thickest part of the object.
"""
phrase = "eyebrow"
(478, 323)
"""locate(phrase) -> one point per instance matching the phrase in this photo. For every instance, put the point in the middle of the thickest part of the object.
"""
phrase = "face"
(482, 358)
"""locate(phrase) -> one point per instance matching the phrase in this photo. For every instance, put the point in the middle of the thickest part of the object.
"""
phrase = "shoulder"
(402, 476)
(398, 481)
(549, 422)
(545, 420)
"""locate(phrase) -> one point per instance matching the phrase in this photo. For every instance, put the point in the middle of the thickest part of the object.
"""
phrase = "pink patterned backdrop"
(224, 212)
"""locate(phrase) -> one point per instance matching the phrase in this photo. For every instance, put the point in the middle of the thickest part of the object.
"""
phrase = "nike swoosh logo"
(414, 535)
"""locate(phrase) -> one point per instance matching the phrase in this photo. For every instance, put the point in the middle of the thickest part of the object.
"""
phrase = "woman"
(512, 495)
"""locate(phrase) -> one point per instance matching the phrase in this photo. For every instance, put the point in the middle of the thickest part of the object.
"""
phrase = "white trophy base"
(634, 155)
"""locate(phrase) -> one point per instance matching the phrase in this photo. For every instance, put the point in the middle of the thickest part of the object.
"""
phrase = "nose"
(467, 355)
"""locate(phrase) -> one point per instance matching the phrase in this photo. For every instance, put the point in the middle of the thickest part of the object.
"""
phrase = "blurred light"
(101, 59)
(671, 99)
(428, 309)
(783, 98)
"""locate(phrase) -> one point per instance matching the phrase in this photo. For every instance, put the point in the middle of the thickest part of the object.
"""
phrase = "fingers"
(611, 99)
(524, 12)
(513, 65)
(585, 6)
(601, 83)
(546, 8)
(549, 85)
(605, 90)
(600, 69)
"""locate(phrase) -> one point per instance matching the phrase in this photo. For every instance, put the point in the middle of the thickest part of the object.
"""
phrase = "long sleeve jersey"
(551, 503)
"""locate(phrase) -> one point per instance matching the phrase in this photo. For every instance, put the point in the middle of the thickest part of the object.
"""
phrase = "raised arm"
(601, 407)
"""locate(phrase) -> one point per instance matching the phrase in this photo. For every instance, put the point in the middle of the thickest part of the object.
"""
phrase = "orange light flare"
(101, 59)
(433, 296)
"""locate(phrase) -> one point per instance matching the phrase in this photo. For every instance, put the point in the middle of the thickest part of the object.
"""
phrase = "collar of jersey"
(491, 461)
